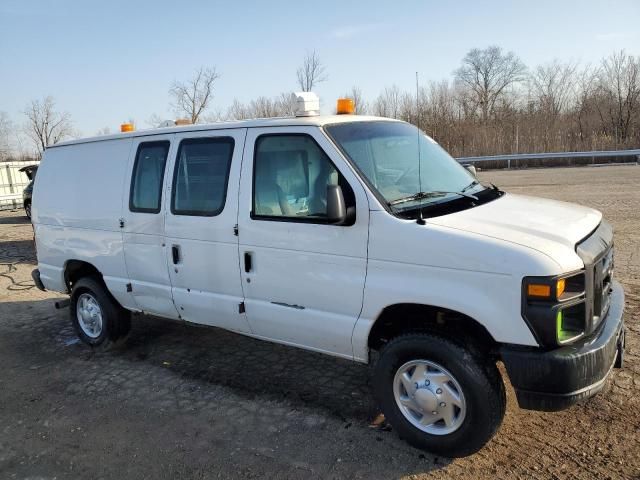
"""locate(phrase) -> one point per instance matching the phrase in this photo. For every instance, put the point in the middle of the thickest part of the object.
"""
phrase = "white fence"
(12, 183)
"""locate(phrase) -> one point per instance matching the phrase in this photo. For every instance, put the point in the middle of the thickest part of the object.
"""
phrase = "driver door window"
(291, 175)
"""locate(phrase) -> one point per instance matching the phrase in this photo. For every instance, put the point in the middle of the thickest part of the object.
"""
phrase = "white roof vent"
(307, 104)
(174, 123)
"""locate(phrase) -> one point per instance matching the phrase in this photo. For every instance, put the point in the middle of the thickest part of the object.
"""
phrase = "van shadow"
(15, 218)
(17, 251)
(252, 369)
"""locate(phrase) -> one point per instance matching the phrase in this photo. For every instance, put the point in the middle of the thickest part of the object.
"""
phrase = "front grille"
(596, 251)
(602, 271)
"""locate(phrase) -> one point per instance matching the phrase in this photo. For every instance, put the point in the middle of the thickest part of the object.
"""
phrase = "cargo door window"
(201, 175)
(148, 173)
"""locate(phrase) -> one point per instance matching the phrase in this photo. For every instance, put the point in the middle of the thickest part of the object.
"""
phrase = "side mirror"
(472, 169)
(336, 208)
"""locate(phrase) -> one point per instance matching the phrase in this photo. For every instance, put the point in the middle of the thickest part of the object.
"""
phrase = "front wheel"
(99, 320)
(438, 395)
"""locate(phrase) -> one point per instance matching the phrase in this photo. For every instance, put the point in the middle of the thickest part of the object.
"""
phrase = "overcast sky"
(107, 61)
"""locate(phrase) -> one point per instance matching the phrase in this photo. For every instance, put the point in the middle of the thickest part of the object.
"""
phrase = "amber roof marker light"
(345, 106)
(127, 127)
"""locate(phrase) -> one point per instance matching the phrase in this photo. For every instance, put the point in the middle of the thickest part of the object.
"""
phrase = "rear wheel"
(99, 320)
(438, 395)
(27, 210)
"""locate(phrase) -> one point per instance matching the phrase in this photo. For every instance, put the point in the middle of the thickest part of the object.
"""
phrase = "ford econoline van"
(347, 235)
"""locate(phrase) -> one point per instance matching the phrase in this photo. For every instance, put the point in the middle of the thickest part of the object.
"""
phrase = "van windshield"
(406, 167)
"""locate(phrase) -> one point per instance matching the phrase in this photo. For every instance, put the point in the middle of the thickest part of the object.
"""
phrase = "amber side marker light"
(127, 127)
(560, 287)
(345, 106)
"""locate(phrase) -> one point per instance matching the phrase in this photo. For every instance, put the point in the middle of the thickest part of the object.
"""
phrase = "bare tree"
(359, 104)
(564, 108)
(285, 105)
(217, 114)
(408, 110)
(437, 108)
(619, 85)
(311, 72)
(488, 73)
(552, 93)
(238, 111)
(553, 87)
(104, 131)
(192, 98)
(583, 110)
(388, 103)
(46, 126)
(154, 120)
(262, 107)
(5, 135)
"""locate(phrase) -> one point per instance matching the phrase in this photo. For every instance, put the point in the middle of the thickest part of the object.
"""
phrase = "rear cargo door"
(202, 244)
(143, 225)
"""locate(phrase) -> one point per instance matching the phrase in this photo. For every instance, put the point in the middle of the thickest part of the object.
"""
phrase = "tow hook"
(64, 303)
(619, 363)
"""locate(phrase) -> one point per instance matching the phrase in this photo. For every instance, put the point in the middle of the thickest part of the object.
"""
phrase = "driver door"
(303, 278)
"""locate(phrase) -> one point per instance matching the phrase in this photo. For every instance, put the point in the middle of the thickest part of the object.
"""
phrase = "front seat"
(318, 203)
(270, 198)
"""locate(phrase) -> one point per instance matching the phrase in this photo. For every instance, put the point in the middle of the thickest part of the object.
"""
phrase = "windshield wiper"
(471, 185)
(496, 189)
(432, 194)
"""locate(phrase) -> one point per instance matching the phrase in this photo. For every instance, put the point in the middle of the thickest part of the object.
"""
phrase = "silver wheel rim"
(89, 315)
(429, 397)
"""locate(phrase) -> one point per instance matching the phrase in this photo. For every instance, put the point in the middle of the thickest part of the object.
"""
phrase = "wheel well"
(76, 269)
(409, 317)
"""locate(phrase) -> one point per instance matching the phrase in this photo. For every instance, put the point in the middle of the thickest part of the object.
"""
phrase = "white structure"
(342, 235)
(12, 183)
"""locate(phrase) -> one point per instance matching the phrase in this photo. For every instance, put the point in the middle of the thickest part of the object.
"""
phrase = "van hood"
(548, 226)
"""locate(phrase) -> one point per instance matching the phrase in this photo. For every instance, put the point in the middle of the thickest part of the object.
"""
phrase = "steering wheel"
(401, 177)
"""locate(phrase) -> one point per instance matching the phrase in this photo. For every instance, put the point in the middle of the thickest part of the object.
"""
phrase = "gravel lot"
(190, 402)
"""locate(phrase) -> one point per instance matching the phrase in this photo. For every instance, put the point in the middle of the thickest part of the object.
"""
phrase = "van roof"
(316, 121)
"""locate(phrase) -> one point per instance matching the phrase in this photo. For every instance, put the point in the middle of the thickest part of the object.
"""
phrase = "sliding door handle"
(248, 263)
(175, 254)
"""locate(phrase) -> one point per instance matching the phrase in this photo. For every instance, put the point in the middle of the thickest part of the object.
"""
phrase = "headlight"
(554, 307)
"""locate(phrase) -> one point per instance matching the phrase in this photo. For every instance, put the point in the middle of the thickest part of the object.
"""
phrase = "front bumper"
(554, 380)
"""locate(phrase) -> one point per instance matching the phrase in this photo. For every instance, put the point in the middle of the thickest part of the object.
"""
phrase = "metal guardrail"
(542, 156)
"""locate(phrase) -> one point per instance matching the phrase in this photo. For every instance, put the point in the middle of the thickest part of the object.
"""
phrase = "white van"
(344, 235)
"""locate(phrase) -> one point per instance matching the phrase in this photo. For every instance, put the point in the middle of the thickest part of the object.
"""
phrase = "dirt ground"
(191, 402)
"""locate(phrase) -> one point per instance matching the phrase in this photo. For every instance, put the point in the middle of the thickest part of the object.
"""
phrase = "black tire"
(116, 321)
(478, 377)
(27, 210)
